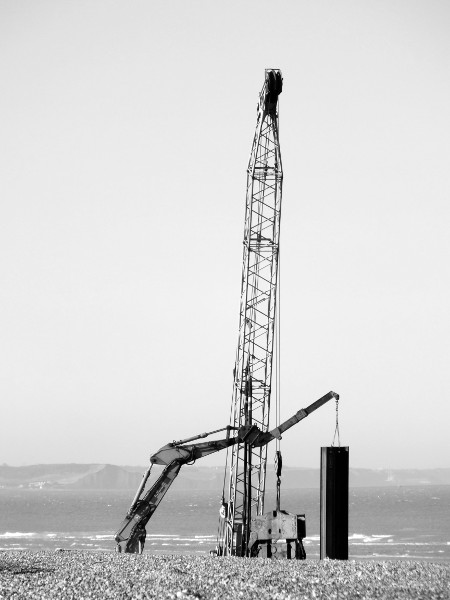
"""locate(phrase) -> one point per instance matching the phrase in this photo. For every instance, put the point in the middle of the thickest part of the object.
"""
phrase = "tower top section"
(272, 88)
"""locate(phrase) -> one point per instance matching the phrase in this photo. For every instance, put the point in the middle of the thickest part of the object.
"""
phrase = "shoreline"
(94, 574)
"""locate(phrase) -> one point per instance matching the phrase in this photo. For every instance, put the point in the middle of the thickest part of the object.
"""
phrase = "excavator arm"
(131, 535)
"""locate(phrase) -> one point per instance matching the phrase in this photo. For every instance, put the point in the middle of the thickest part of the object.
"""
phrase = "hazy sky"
(126, 129)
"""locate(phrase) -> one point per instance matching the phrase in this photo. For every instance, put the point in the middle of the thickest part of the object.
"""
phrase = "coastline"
(80, 574)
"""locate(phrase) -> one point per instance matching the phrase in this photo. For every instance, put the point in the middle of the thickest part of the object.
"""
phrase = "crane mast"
(253, 367)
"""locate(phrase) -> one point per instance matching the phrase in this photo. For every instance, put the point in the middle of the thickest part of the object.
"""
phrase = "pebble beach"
(73, 574)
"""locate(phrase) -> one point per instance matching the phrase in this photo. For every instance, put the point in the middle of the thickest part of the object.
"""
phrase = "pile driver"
(243, 527)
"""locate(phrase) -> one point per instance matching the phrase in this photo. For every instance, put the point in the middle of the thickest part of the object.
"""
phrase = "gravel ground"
(70, 574)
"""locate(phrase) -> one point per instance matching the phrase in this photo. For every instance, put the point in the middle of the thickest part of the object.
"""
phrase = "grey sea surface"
(406, 523)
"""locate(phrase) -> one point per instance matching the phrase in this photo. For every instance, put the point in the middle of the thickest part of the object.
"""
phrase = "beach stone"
(74, 574)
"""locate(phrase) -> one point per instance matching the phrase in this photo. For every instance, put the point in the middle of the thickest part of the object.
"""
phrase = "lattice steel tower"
(245, 477)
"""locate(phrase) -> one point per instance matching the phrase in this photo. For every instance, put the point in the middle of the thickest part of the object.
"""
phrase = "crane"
(243, 526)
(252, 375)
(132, 533)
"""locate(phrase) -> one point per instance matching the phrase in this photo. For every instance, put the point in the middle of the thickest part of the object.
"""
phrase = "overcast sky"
(126, 129)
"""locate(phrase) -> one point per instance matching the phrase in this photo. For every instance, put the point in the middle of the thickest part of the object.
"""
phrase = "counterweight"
(253, 366)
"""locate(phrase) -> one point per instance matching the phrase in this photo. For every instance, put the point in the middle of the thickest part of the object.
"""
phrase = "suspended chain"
(336, 430)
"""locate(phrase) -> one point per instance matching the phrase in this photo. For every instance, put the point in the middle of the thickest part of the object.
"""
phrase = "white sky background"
(126, 129)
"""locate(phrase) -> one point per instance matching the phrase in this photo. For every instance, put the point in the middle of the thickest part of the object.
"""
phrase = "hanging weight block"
(334, 468)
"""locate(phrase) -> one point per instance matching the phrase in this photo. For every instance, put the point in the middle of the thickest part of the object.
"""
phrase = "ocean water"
(410, 523)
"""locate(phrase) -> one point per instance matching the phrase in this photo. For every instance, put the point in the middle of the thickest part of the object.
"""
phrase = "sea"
(385, 523)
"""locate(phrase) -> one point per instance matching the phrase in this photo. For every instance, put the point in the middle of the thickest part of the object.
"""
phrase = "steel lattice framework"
(253, 367)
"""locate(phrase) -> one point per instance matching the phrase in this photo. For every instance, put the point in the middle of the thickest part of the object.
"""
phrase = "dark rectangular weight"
(334, 467)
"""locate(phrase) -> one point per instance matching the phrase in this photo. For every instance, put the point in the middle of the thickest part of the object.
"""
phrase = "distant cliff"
(112, 477)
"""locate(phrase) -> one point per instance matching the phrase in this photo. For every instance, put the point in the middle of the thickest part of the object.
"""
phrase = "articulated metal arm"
(257, 438)
(188, 453)
(131, 535)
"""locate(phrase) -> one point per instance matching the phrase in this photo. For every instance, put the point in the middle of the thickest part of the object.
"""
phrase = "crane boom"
(259, 438)
(252, 382)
